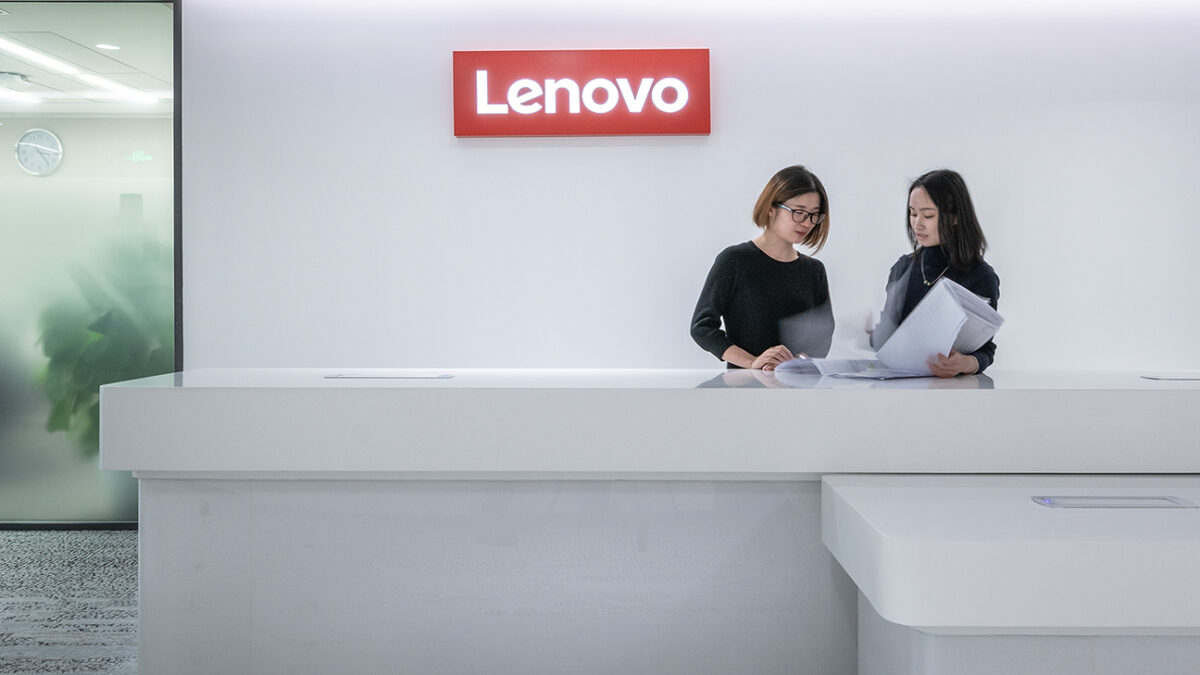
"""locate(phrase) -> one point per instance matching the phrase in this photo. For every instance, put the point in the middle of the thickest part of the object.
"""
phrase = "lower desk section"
(976, 575)
(978, 554)
(887, 648)
(368, 576)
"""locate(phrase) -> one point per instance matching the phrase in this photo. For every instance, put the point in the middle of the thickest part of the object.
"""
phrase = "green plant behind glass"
(118, 326)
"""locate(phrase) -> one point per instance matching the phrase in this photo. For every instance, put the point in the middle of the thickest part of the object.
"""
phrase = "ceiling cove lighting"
(37, 57)
(114, 89)
(111, 48)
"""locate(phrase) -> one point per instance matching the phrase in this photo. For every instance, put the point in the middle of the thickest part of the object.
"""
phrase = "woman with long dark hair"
(947, 242)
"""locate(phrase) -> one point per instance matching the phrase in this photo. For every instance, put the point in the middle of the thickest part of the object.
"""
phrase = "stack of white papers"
(949, 317)
(874, 369)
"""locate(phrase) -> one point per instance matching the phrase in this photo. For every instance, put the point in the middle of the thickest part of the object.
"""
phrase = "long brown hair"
(958, 227)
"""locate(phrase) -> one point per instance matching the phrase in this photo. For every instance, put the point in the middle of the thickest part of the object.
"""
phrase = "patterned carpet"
(68, 601)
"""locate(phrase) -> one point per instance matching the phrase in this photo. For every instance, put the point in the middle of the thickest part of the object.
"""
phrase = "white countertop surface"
(615, 378)
(645, 423)
(976, 554)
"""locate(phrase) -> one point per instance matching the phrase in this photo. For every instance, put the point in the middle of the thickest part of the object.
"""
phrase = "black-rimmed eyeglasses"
(799, 216)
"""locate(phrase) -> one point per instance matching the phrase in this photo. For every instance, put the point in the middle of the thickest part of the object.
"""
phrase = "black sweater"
(980, 280)
(759, 299)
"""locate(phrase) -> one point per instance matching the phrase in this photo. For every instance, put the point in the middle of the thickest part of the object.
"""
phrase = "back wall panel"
(331, 218)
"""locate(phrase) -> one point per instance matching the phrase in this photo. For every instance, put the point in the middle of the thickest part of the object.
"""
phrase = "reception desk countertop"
(603, 424)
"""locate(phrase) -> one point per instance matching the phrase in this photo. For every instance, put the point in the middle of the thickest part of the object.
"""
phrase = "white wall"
(331, 217)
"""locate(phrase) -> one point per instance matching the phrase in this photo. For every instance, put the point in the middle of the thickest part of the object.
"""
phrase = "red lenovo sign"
(581, 92)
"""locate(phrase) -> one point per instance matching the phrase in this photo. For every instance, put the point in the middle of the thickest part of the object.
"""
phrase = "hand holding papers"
(949, 317)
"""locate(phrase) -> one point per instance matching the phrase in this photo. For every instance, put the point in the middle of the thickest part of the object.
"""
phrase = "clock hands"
(39, 148)
(39, 152)
(46, 158)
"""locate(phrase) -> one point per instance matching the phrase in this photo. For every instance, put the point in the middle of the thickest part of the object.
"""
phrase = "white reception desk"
(643, 424)
(497, 521)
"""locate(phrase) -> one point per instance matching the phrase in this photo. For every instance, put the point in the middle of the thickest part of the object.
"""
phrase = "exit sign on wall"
(585, 92)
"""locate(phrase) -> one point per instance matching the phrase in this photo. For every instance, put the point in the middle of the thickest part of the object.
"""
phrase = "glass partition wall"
(87, 209)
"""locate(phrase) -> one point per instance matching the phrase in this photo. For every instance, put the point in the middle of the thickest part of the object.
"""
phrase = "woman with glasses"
(947, 242)
(772, 300)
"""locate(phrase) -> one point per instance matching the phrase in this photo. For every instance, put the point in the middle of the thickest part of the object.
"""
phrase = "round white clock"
(39, 152)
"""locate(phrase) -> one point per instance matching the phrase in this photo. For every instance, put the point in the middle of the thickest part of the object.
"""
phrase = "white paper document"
(869, 368)
(949, 317)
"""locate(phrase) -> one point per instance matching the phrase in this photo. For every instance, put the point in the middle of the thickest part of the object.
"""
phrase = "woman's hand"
(772, 357)
(955, 364)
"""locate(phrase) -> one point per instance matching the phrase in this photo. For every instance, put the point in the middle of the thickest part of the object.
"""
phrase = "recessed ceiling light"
(109, 47)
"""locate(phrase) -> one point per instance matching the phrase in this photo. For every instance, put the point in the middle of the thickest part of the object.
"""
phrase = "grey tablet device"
(1114, 502)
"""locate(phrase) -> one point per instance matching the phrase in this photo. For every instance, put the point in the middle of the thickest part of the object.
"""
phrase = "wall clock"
(39, 152)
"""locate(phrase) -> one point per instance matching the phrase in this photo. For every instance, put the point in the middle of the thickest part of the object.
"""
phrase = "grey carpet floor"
(68, 601)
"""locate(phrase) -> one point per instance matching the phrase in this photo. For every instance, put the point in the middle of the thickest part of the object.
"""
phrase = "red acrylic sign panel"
(586, 92)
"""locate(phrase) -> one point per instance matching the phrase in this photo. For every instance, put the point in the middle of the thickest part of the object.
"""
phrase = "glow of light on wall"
(7, 94)
(709, 9)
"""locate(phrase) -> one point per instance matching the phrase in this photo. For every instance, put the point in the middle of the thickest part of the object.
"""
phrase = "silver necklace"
(922, 263)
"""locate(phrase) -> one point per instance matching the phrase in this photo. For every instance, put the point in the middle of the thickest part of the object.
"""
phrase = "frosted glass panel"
(86, 269)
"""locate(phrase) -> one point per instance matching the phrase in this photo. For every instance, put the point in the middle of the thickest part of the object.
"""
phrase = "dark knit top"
(980, 280)
(754, 293)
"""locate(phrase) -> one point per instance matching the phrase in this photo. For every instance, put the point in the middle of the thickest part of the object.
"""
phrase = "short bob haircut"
(958, 227)
(785, 184)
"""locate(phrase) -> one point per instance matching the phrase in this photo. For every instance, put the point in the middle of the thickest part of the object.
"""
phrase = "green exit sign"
(138, 157)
